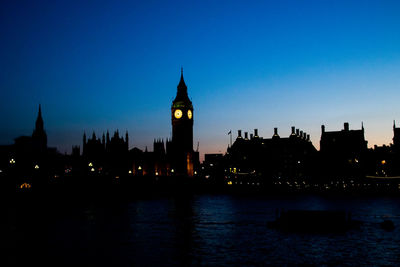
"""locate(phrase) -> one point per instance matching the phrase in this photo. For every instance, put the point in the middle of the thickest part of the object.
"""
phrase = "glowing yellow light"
(156, 173)
(12, 161)
(139, 168)
(130, 172)
(195, 172)
(190, 114)
(172, 170)
(230, 182)
(178, 113)
(25, 186)
(90, 164)
(92, 169)
(383, 162)
(116, 177)
(36, 166)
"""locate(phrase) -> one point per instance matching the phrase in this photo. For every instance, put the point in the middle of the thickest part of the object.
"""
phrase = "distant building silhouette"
(173, 157)
(343, 153)
(272, 158)
(29, 161)
(396, 137)
(384, 161)
(106, 155)
(183, 158)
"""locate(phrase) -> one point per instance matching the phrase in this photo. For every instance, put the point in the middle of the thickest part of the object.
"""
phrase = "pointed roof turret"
(39, 120)
(39, 135)
(182, 98)
(182, 85)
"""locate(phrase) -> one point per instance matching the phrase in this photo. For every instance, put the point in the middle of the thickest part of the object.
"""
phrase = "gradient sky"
(98, 65)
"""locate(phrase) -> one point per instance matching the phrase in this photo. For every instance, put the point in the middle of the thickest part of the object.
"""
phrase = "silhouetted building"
(106, 155)
(343, 152)
(29, 162)
(183, 158)
(271, 158)
(212, 167)
(384, 161)
(174, 157)
(396, 137)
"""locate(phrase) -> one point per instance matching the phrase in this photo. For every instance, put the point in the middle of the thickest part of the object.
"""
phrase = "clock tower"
(182, 131)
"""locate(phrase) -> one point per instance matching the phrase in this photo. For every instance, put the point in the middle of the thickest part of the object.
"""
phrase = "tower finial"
(181, 71)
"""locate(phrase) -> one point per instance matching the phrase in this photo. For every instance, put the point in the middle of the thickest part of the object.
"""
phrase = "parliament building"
(174, 157)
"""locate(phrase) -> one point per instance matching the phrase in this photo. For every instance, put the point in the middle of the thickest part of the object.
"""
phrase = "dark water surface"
(206, 230)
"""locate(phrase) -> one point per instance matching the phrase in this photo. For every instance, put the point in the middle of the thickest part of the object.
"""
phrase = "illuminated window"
(92, 169)
(172, 170)
(130, 172)
(36, 166)
(90, 164)
(139, 168)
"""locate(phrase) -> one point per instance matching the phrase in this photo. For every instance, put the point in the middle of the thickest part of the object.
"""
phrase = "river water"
(195, 230)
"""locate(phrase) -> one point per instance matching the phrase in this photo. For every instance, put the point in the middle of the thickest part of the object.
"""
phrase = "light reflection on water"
(218, 230)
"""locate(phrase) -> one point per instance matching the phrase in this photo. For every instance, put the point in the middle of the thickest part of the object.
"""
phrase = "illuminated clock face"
(178, 113)
(190, 114)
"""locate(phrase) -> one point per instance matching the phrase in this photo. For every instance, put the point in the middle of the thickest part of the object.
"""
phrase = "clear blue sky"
(98, 65)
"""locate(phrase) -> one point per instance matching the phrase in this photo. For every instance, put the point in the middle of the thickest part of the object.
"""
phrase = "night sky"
(98, 65)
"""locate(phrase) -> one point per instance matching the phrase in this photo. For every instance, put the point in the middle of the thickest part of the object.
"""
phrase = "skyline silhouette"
(258, 65)
(211, 133)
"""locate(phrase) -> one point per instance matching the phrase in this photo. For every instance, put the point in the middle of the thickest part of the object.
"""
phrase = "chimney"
(297, 132)
(323, 128)
(256, 133)
(251, 136)
(346, 126)
(239, 134)
(308, 137)
(301, 134)
(246, 135)
(293, 130)
(275, 131)
(304, 135)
